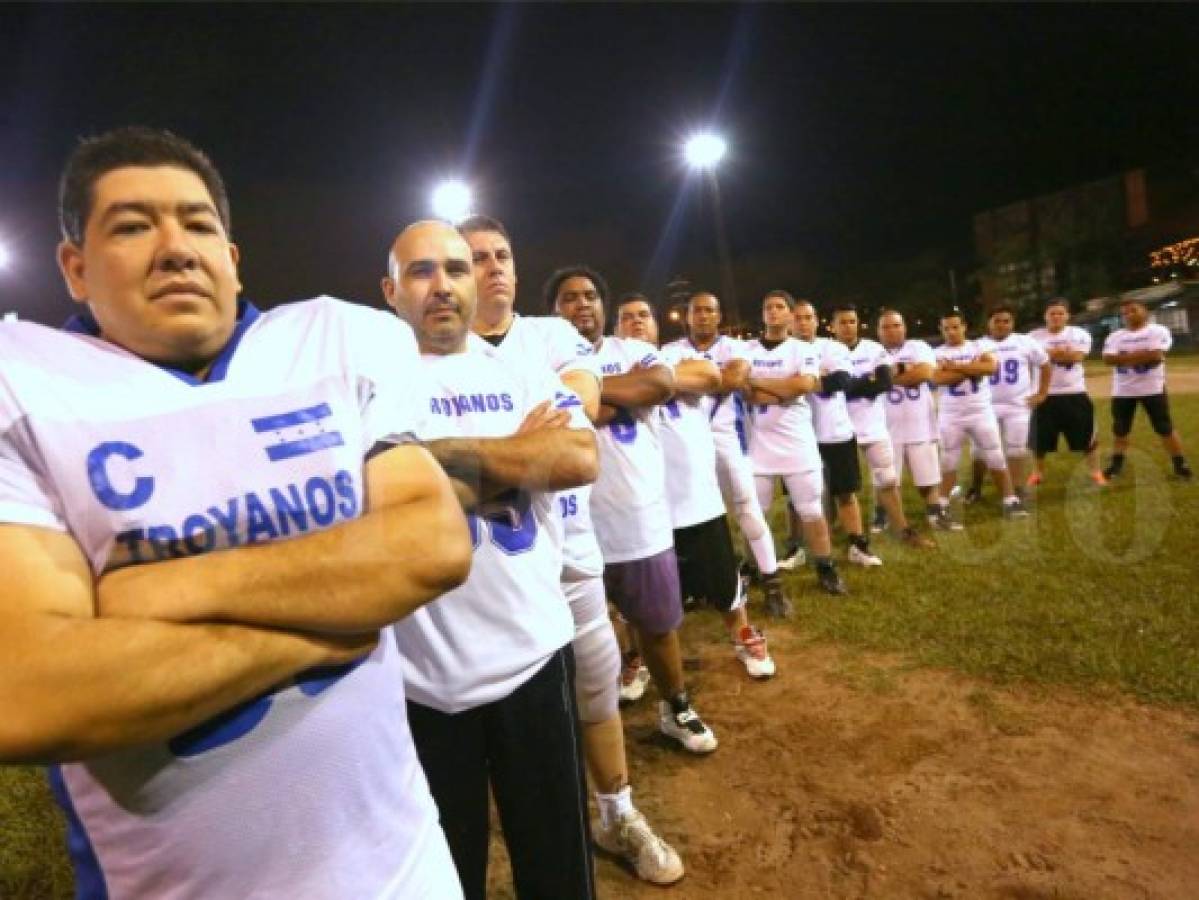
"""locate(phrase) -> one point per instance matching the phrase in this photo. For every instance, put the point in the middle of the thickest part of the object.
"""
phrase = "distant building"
(1174, 304)
(1090, 240)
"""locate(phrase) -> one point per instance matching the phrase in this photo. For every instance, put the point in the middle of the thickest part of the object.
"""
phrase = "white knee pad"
(750, 519)
(597, 655)
(806, 490)
(881, 460)
(994, 458)
(950, 457)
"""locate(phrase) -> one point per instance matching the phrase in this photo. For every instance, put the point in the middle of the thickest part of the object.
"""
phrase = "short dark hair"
(549, 292)
(134, 145)
(787, 298)
(1058, 301)
(634, 297)
(695, 294)
(845, 307)
(1001, 308)
(473, 224)
(953, 313)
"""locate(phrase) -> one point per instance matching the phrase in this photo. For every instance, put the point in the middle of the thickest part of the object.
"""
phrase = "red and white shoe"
(750, 648)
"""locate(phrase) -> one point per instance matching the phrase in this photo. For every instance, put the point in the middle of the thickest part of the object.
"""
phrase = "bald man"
(489, 671)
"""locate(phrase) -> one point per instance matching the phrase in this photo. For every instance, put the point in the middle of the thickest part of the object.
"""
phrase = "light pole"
(452, 201)
(703, 152)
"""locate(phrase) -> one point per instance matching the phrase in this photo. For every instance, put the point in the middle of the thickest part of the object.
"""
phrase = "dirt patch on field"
(850, 775)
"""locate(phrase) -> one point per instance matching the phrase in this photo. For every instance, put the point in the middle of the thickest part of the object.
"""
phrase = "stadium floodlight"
(452, 200)
(5, 257)
(704, 150)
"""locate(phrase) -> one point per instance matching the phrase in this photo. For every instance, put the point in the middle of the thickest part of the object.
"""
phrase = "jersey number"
(1134, 370)
(569, 505)
(898, 395)
(239, 721)
(623, 427)
(1008, 373)
(512, 529)
(959, 389)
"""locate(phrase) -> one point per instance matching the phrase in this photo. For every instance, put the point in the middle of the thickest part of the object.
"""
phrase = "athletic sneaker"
(686, 727)
(1113, 470)
(955, 492)
(777, 604)
(916, 540)
(750, 648)
(633, 680)
(631, 839)
(830, 580)
(1015, 510)
(860, 557)
(879, 523)
(943, 520)
(793, 556)
(1182, 470)
(974, 495)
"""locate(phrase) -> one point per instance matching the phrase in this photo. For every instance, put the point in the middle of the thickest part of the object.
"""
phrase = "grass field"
(1096, 590)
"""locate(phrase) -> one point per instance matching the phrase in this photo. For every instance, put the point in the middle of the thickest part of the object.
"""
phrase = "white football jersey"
(1065, 378)
(1020, 359)
(970, 396)
(628, 500)
(781, 438)
(691, 486)
(868, 414)
(313, 789)
(727, 414)
(552, 342)
(481, 641)
(830, 414)
(911, 416)
(1142, 380)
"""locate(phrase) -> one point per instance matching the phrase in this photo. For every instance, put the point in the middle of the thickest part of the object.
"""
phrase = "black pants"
(528, 745)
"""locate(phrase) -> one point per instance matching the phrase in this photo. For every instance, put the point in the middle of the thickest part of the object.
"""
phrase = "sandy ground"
(851, 776)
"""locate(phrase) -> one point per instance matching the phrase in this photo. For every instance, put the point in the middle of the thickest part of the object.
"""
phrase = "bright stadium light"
(5, 257)
(452, 201)
(704, 150)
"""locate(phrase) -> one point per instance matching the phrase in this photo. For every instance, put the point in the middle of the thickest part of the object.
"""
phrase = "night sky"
(857, 132)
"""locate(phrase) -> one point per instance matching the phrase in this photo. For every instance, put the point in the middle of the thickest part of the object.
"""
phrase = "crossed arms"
(150, 651)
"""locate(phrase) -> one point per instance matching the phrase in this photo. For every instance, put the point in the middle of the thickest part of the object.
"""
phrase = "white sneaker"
(687, 728)
(863, 557)
(795, 557)
(630, 838)
(750, 648)
(633, 681)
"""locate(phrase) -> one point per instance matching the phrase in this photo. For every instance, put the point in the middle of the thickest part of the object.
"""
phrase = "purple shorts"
(646, 591)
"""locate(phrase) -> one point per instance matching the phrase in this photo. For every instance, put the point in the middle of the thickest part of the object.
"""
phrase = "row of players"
(231, 567)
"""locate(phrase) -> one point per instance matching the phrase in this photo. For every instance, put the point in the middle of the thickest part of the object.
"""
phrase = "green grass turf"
(1096, 590)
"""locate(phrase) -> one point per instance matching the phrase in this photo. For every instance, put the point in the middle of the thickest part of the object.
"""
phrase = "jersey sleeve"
(1110, 343)
(923, 353)
(392, 380)
(807, 359)
(1036, 353)
(644, 354)
(26, 498)
(569, 351)
(550, 388)
(1082, 340)
(837, 357)
(1165, 340)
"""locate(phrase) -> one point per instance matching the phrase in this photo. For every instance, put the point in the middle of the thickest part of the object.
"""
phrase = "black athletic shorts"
(707, 565)
(1072, 415)
(1157, 407)
(843, 474)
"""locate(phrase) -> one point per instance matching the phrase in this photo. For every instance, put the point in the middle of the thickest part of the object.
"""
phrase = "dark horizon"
(858, 134)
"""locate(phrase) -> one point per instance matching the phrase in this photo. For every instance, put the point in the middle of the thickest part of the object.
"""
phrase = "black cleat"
(830, 580)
